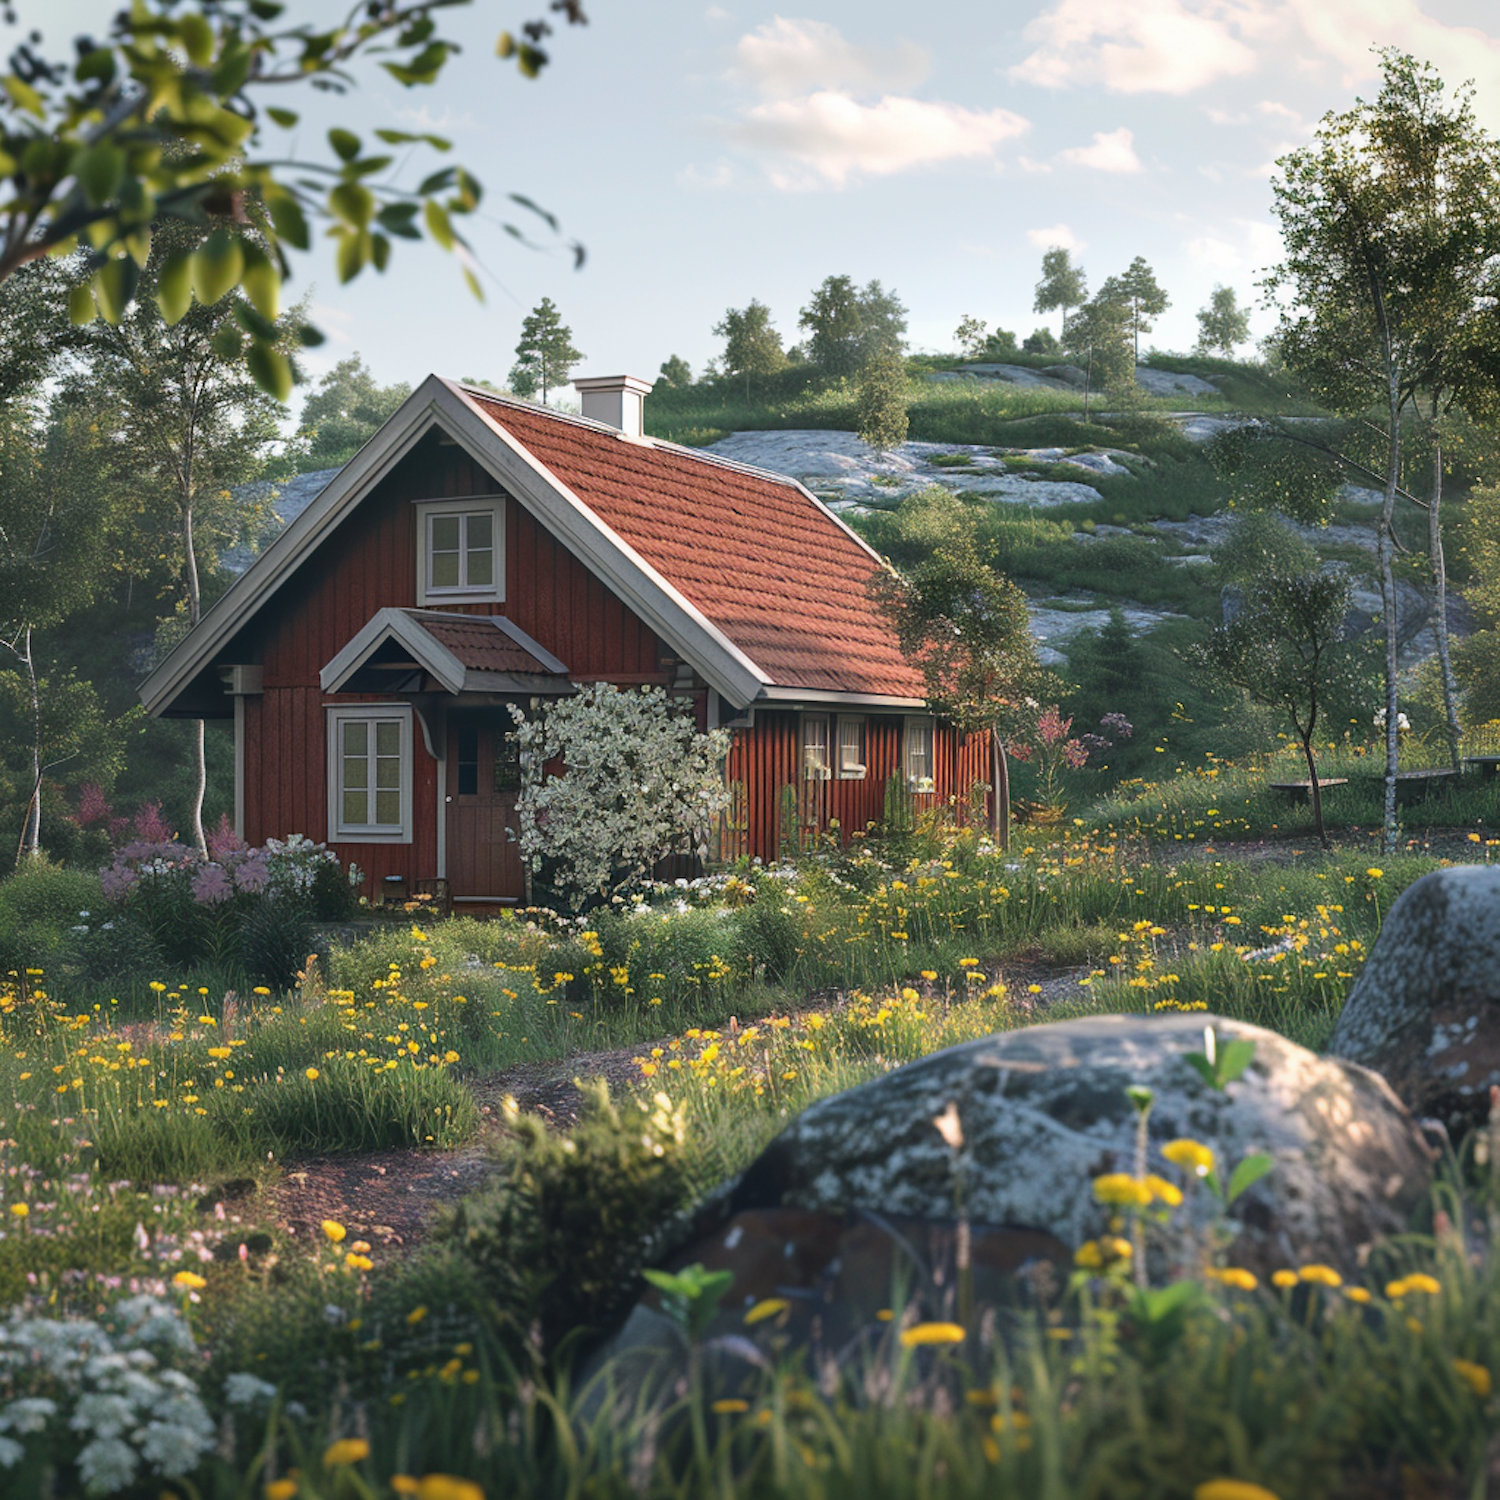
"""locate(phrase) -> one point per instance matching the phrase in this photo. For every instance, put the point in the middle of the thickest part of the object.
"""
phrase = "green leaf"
(262, 284)
(351, 253)
(407, 138)
(345, 143)
(505, 45)
(289, 221)
(353, 203)
(309, 337)
(262, 330)
(265, 10)
(435, 182)
(438, 225)
(1234, 1059)
(99, 171)
(396, 219)
(423, 68)
(81, 305)
(1249, 1172)
(97, 65)
(226, 340)
(218, 265)
(473, 284)
(1203, 1068)
(174, 288)
(286, 118)
(197, 38)
(114, 286)
(380, 251)
(23, 96)
(271, 370)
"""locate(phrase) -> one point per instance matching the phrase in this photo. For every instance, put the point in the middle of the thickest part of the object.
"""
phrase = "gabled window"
(917, 755)
(369, 774)
(460, 550)
(851, 750)
(817, 761)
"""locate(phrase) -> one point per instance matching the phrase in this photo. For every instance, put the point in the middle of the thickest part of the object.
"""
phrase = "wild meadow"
(169, 1334)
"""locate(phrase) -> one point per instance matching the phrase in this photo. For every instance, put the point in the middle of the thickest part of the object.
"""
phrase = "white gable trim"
(438, 402)
(394, 624)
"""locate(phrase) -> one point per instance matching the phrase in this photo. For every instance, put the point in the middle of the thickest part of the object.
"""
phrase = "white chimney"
(618, 400)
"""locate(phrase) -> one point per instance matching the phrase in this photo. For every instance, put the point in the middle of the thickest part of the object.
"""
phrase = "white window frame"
(914, 782)
(842, 771)
(814, 768)
(367, 833)
(429, 511)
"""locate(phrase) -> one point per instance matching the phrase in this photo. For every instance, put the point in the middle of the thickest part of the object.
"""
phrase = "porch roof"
(409, 650)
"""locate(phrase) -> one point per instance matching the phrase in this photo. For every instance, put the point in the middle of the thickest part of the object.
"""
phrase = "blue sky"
(710, 153)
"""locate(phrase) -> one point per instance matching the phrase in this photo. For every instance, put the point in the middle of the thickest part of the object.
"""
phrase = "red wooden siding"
(766, 758)
(370, 563)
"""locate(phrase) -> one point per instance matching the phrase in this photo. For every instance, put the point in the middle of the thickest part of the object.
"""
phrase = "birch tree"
(1391, 227)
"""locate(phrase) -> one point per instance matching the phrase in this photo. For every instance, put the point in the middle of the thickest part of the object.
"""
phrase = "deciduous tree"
(1063, 285)
(1098, 337)
(752, 345)
(1223, 323)
(677, 372)
(344, 412)
(846, 325)
(967, 628)
(1391, 269)
(880, 402)
(167, 117)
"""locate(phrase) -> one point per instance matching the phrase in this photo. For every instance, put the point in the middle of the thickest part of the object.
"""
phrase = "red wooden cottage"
(480, 550)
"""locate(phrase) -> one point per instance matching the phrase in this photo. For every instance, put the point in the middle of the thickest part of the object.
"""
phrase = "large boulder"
(1044, 1111)
(1425, 1011)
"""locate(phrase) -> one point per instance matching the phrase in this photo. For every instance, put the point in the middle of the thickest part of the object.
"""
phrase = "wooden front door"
(484, 859)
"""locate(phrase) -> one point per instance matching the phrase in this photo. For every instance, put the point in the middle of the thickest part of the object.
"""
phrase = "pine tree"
(545, 356)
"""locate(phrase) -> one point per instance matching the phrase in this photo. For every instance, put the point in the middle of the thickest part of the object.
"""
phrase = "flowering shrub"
(243, 905)
(639, 783)
(107, 1381)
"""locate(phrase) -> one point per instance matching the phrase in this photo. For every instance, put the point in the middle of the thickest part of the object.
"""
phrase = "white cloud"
(1111, 152)
(828, 137)
(786, 58)
(1057, 234)
(1237, 252)
(1142, 46)
(717, 13)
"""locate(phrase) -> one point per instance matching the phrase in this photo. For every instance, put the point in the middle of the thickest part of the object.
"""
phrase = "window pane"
(481, 531)
(445, 570)
(356, 737)
(481, 568)
(388, 771)
(443, 537)
(388, 809)
(356, 772)
(355, 808)
(388, 737)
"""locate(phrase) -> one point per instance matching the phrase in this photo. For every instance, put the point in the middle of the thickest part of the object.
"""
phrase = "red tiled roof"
(766, 564)
(480, 644)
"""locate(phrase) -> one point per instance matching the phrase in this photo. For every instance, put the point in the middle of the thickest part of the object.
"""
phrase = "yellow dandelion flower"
(447, 1487)
(1418, 1281)
(1477, 1376)
(313, 1075)
(357, 1262)
(1122, 1189)
(1232, 1489)
(189, 1281)
(1089, 1255)
(20, 1210)
(1191, 1156)
(921, 1334)
(345, 1452)
(1357, 1294)
(1164, 1191)
(729, 1406)
(416, 1315)
(335, 1231)
(1320, 1275)
(1284, 1279)
(1374, 872)
(1238, 1278)
(281, 1489)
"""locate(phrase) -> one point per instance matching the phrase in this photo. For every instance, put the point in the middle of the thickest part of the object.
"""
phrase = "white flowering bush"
(638, 783)
(102, 1396)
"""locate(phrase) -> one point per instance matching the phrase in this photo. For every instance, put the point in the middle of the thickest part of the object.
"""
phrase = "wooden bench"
(1488, 766)
(1299, 793)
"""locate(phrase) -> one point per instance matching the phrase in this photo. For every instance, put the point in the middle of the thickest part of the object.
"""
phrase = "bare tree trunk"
(1314, 790)
(195, 611)
(31, 825)
(1000, 798)
(1440, 588)
(1385, 547)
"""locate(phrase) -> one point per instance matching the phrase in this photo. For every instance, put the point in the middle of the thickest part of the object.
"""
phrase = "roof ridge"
(535, 408)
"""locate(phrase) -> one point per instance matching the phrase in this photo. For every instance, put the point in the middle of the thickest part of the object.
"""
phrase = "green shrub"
(561, 1237)
(41, 906)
